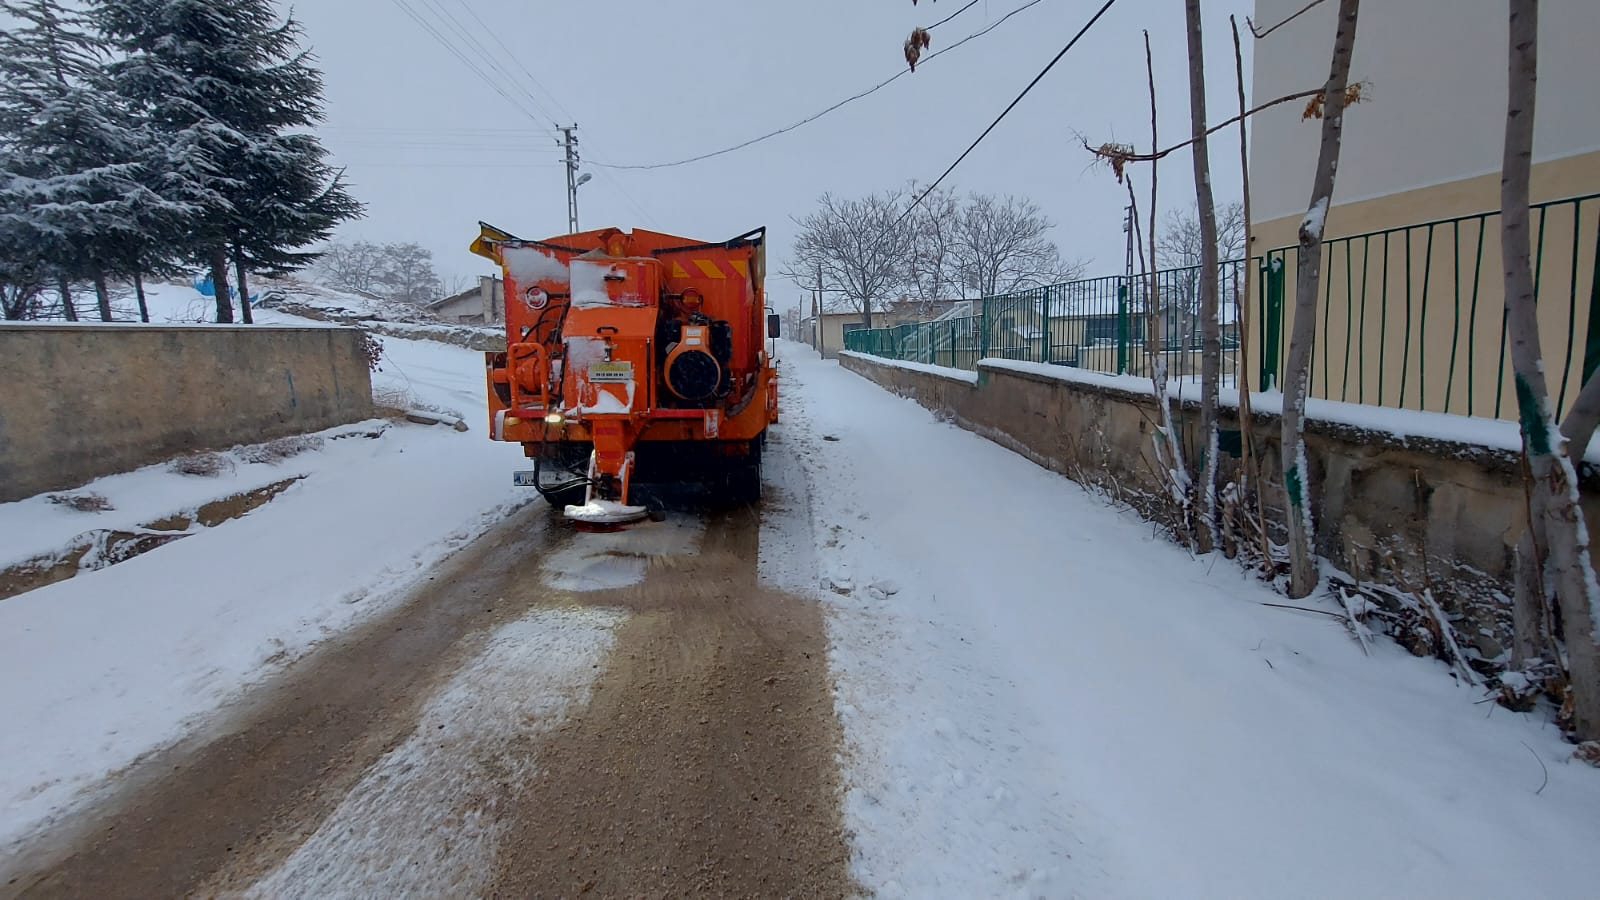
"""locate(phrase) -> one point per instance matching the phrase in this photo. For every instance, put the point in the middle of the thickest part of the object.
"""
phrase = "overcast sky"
(432, 147)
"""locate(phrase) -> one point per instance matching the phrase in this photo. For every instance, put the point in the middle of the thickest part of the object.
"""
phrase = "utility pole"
(1127, 228)
(569, 141)
(818, 306)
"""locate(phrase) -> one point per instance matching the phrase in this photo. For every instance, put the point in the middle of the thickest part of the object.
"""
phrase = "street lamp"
(581, 180)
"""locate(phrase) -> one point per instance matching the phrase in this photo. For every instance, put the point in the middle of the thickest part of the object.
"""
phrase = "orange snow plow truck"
(632, 357)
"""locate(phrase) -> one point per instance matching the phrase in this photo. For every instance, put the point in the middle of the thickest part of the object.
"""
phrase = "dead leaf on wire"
(915, 44)
(1353, 94)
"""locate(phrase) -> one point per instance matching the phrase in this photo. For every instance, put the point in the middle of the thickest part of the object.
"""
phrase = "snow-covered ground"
(1042, 698)
(99, 669)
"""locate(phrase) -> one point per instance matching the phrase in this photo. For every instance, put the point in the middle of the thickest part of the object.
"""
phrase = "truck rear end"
(632, 357)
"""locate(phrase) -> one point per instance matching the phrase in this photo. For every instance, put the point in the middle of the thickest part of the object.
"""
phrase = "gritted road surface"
(695, 755)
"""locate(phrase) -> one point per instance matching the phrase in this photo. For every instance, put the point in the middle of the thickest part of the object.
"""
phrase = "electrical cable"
(958, 12)
(1003, 113)
(815, 116)
(463, 57)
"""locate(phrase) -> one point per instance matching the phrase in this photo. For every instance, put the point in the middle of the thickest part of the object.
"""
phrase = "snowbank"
(1057, 702)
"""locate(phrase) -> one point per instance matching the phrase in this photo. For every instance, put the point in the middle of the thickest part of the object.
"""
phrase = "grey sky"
(432, 149)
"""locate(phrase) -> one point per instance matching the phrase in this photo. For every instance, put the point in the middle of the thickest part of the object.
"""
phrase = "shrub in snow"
(83, 502)
(279, 450)
(206, 465)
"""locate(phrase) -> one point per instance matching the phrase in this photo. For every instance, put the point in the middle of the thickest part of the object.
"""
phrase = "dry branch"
(1261, 34)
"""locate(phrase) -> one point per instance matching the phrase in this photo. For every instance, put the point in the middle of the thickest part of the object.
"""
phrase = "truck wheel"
(744, 482)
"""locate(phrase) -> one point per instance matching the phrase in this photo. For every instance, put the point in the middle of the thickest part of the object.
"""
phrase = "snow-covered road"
(1038, 696)
(1054, 702)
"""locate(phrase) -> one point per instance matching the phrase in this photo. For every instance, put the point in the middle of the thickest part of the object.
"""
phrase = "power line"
(1003, 113)
(444, 41)
(463, 57)
(423, 164)
(812, 118)
(495, 35)
(953, 15)
(489, 59)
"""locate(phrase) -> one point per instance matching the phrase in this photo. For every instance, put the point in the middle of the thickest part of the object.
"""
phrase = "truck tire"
(744, 480)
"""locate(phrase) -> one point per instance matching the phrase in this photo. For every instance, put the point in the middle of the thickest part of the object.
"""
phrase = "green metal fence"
(1096, 323)
(1414, 317)
(1410, 317)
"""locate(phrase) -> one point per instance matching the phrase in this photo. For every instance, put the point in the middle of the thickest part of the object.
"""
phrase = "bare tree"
(20, 299)
(1211, 328)
(408, 274)
(1553, 481)
(1001, 246)
(1180, 235)
(858, 248)
(356, 266)
(1181, 245)
(932, 273)
(1252, 470)
(1297, 487)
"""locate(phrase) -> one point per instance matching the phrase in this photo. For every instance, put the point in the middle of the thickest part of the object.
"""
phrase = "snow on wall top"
(1400, 424)
(925, 368)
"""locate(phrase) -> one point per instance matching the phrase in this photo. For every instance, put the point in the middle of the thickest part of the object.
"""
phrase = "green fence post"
(1046, 349)
(1591, 344)
(1272, 332)
(983, 328)
(1122, 328)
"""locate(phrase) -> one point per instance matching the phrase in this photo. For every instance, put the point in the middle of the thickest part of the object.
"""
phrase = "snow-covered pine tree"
(231, 80)
(70, 187)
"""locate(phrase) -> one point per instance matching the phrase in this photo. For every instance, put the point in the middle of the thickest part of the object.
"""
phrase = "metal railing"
(1096, 323)
(1410, 317)
(1414, 317)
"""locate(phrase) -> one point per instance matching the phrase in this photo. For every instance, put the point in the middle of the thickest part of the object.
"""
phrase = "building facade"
(1413, 286)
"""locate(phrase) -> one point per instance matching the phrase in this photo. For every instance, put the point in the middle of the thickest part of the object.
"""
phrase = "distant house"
(482, 305)
(827, 333)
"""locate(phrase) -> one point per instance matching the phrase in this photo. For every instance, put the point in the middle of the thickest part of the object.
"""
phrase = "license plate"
(524, 479)
(610, 372)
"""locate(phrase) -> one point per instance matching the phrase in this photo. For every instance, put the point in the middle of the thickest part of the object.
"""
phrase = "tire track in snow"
(421, 822)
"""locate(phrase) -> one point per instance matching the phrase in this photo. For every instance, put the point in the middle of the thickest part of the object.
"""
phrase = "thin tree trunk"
(102, 296)
(1581, 421)
(1303, 574)
(244, 289)
(67, 308)
(1242, 376)
(138, 291)
(1554, 481)
(219, 281)
(1170, 446)
(1210, 326)
(1530, 610)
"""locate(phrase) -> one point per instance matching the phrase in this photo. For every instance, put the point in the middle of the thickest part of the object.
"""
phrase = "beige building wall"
(1424, 146)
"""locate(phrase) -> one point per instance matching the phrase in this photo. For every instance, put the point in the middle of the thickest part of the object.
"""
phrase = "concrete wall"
(82, 401)
(1402, 512)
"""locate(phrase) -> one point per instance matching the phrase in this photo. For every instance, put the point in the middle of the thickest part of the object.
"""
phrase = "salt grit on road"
(422, 822)
(100, 669)
(1041, 699)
